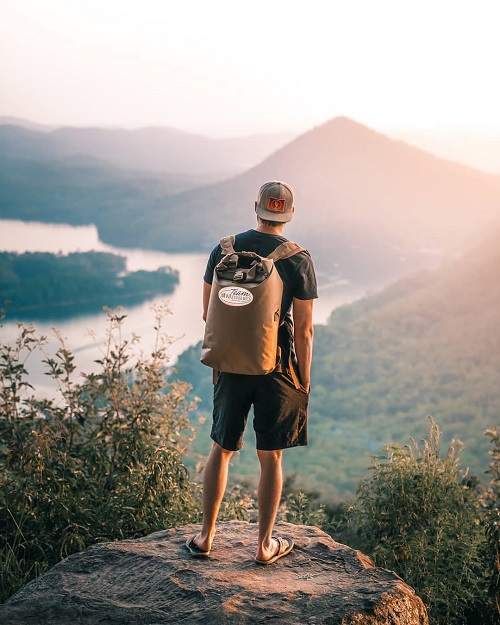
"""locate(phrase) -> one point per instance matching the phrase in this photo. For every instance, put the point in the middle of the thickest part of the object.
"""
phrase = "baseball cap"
(275, 201)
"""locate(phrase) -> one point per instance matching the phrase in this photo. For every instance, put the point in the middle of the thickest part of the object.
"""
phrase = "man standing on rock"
(279, 398)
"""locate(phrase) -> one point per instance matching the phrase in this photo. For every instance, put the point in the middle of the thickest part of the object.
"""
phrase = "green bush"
(415, 516)
(102, 460)
(491, 505)
(299, 509)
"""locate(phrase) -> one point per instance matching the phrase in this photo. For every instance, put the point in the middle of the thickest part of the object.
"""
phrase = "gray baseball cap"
(275, 201)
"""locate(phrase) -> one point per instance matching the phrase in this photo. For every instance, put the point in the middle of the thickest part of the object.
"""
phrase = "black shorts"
(280, 410)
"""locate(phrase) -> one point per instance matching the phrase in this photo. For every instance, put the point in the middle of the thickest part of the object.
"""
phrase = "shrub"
(102, 460)
(298, 508)
(491, 505)
(415, 517)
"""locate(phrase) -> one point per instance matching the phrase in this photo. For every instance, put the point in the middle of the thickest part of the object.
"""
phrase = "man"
(279, 401)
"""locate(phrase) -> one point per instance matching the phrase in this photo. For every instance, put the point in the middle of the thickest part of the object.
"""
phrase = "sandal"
(194, 550)
(285, 545)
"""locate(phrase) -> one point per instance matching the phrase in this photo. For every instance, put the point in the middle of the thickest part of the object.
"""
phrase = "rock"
(154, 581)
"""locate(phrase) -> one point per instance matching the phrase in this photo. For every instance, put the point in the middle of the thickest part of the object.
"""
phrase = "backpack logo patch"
(235, 296)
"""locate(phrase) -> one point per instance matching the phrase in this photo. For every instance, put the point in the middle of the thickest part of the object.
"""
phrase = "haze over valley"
(370, 209)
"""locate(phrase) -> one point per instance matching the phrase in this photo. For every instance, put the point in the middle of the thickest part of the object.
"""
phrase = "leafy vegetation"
(420, 516)
(38, 281)
(491, 504)
(102, 460)
(105, 459)
(415, 517)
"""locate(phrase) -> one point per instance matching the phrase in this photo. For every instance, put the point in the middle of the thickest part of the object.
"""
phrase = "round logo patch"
(235, 296)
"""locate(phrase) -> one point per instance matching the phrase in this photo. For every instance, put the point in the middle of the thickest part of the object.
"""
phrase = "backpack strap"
(285, 250)
(227, 244)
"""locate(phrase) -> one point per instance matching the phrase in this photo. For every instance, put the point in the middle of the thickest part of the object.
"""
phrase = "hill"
(365, 203)
(79, 190)
(427, 345)
(38, 283)
(369, 208)
(158, 150)
(8, 120)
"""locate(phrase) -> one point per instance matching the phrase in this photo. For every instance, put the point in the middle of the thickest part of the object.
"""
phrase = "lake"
(184, 325)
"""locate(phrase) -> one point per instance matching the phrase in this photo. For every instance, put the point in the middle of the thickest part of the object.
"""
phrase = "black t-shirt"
(296, 272)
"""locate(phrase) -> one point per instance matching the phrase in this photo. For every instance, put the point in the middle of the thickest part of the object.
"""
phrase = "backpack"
(243, 317)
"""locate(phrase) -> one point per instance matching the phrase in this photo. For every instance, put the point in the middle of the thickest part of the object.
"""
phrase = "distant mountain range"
(155, 150)
(365, 203)
(8, 120)
(369, 208)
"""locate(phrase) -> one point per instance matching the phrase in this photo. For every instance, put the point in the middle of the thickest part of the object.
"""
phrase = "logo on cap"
(276, 205)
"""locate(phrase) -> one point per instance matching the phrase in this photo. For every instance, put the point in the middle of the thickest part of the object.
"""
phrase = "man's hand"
(303, 335)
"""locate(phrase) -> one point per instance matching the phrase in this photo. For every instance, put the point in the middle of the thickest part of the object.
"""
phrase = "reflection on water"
(184, 325)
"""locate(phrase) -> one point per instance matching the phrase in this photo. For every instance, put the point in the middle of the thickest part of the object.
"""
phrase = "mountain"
(429, 344)
(369, 208)
(154, 150)
(364, 202)
(100, 176)
(79, 190)
(6, 120)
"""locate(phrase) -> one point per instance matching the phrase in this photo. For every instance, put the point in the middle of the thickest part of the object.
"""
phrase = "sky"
(229, 68)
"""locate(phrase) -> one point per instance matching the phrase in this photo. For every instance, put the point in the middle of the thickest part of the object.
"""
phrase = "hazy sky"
(225, 68)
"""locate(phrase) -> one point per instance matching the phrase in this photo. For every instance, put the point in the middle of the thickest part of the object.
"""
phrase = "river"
(86, 333)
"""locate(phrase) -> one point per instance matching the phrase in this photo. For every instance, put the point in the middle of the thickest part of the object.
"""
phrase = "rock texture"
(154, 581)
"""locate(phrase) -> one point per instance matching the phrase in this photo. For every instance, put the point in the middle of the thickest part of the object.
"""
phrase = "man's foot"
(194, 550)
(285, 545)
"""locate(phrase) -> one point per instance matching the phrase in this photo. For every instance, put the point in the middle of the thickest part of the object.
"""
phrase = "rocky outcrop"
(154, 581)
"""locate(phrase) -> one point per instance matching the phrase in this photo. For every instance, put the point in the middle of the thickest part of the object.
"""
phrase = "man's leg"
(214, 486)
(269, 495)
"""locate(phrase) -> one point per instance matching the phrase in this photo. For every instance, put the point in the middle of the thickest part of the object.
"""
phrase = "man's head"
(275, 202)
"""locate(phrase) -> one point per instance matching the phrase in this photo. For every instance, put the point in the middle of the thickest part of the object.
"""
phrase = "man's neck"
(277, 230)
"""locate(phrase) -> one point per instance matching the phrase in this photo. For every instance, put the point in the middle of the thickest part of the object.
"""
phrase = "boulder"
(154, 581)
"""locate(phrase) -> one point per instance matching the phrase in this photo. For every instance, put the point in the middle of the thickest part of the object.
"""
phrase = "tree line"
(38, 281)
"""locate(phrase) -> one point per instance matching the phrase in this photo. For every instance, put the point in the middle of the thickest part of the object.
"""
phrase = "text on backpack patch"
(235, 296)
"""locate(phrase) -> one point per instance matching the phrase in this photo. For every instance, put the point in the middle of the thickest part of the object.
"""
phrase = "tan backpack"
(241, 331)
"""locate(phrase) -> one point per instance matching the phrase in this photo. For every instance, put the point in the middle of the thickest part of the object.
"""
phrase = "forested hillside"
(427, 345)
(155, 150)
(34, 284)
(80, 190)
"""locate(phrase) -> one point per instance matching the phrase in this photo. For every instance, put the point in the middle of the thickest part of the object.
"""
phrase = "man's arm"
(303, 337)
(206, 296)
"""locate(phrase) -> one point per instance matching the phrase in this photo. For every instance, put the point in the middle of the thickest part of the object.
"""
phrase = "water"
(184, 326)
